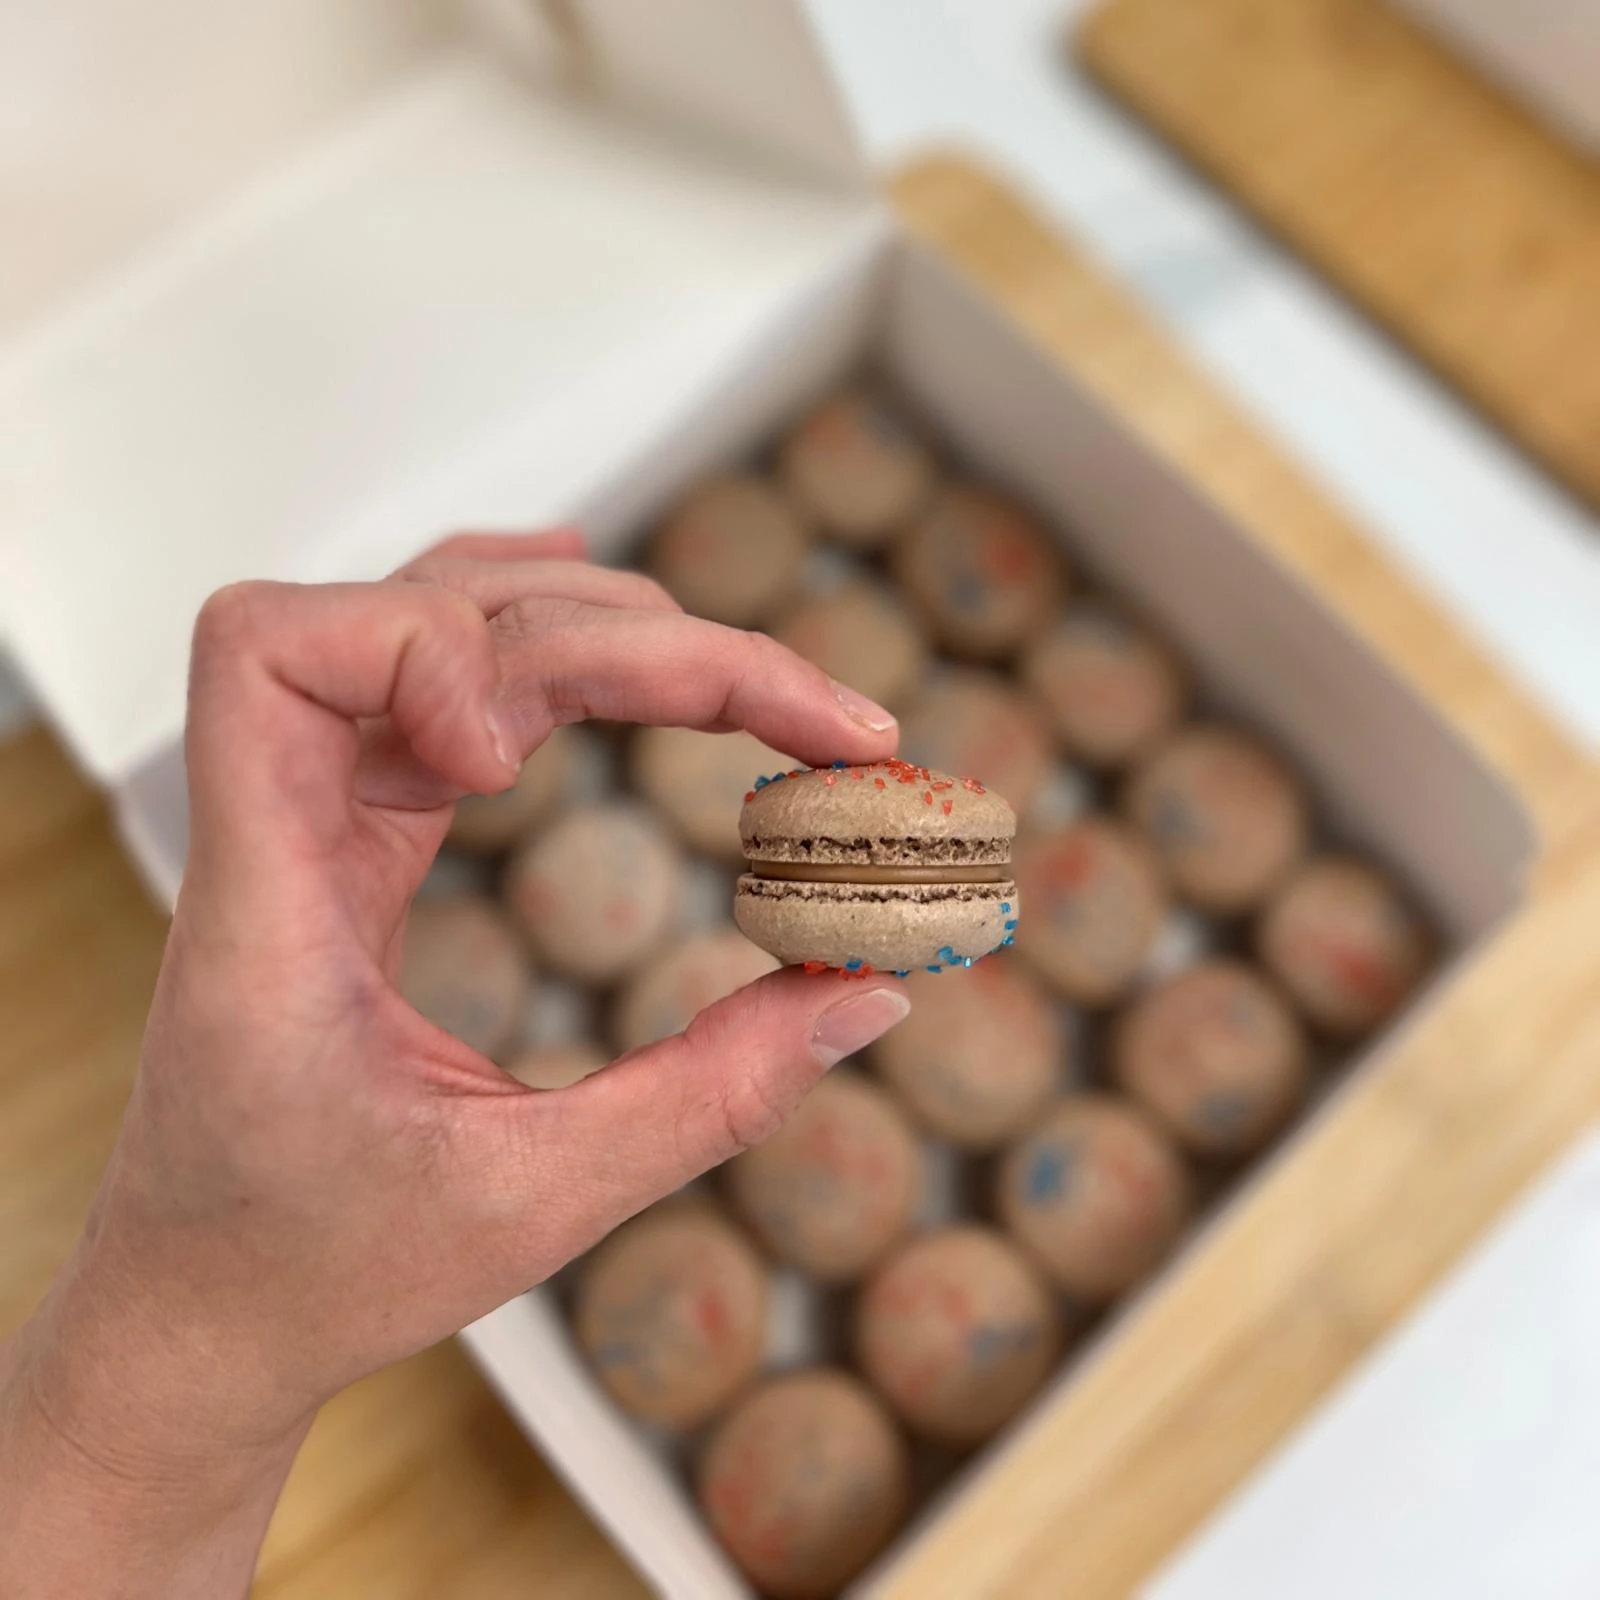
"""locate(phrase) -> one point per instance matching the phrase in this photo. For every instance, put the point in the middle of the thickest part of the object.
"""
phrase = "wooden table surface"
(414, 1484)
(1428, 195)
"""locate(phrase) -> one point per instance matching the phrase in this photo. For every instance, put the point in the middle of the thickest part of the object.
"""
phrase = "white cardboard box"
(520, 285)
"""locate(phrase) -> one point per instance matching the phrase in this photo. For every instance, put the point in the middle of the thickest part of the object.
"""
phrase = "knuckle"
(747, 1113)
(230, 617)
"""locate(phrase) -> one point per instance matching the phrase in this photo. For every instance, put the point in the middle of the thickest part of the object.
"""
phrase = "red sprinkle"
(856, 772)
(927, 797)
(880, 783)
(948, 806)
(750, 795)
(830, 778)
(816, 966)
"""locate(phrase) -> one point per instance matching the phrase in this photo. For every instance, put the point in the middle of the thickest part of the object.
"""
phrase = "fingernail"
(860, 709)
(852, 1024)
(502, 735)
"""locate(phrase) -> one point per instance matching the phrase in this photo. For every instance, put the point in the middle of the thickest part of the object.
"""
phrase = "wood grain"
(415, 1484)
(1426, 194)
(1277, 1303)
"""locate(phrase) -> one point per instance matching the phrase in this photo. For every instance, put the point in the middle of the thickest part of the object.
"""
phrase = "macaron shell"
(487, 823)
(983, 571)
(664, 997)
(1216, 1055)
(804, 1482)
(1097, 905)
(855, 467)
(700, 780)
(671, 1311)
(1227, 817)
(823, 814)
(974, 721)
(731, 551)
(1096, 1194)
(556, 1066)
(876, 928)
(1344, 944)
(1112, 689)
(860, 635)
(957, 1330)
(597, 892)
(837, 1185)
(980, 1055)
(464, 969)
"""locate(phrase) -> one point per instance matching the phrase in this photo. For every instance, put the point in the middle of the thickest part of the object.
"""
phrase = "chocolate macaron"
(856, 468)
(804, 1482)
(882, 868)
(671, 1310)
(731, 550)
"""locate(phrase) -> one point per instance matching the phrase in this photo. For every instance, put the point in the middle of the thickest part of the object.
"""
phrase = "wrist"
(118, 1472)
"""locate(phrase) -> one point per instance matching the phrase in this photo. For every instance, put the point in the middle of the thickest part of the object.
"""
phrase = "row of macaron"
(954, 1328)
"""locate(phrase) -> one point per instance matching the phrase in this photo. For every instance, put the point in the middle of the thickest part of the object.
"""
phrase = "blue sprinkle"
(839, 766)
(903, 972)
(1005, 908)
(761, 783)
(853, 966)
(935, 970)
(966, 961)
(1011, 924)
(1009, 939)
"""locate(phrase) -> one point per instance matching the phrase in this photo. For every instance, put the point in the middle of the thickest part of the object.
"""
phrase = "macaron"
(671, 1310)
(700, 781)
(1096, 1194)
(596, 892)
(556, 1066)
(837, 1185)
(983, 571)
(1216, 1055)
(1096, 906)
(804, 1482)
(860, 634)
(464, 968)
(956, 1331)
(674, 987)
(488, 823)
(856, 468)
(1343, 941)
(880, 868)
(1113, 691)
(1226, 816)
(967, 720)
(980, 1055)
(731, 550)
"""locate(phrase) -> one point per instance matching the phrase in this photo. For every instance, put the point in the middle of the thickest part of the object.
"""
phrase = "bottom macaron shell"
(878, 927)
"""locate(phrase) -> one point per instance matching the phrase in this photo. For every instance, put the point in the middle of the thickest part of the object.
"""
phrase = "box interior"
(1265, 650)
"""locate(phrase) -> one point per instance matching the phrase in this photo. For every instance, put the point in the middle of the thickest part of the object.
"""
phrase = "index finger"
(562, 661)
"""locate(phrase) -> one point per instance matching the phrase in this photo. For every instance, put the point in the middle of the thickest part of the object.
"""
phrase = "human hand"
(312, 1180)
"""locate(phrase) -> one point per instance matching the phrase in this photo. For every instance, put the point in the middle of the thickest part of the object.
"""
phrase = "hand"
(312, 1180)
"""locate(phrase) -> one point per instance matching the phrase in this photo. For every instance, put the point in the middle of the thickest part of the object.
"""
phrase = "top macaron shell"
(872, 820)
(855, 467)
(983, 571)
(731, 551)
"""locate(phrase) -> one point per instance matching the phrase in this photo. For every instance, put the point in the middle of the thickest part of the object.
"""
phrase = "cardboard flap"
(474, 302)
(749, 73)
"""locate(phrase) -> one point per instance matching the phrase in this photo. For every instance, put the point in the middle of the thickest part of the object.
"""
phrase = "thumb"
(622, 1139)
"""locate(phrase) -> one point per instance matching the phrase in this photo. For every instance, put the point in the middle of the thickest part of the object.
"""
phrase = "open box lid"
(496, 279)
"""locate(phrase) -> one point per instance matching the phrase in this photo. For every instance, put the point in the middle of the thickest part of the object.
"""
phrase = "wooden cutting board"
(416, 1486)
(1426, 194)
